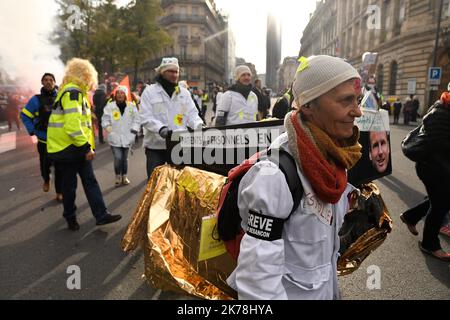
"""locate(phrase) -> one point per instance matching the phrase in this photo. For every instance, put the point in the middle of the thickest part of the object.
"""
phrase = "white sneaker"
(125, 181)
(118, 181)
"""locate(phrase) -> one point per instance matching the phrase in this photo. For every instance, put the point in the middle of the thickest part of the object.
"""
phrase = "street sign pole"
(436, 46)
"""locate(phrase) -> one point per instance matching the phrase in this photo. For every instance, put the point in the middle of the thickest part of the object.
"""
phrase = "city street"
(36, 249)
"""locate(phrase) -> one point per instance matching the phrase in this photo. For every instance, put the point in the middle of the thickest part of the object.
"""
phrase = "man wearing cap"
(239, 104)
(287, 252)
(165, 107)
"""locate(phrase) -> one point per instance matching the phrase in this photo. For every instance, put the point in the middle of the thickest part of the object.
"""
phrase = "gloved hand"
(201, 126)
(109, 129)
(164, 132)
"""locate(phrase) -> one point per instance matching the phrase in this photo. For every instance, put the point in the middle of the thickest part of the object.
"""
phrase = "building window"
(183, 31)
(380, 78)
(195, 11)
(446, 10)
(183, 11)
(388, 15)
(183, 52)
(402, 12)
(393, 79)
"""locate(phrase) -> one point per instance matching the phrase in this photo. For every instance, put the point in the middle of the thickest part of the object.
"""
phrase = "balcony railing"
(174, 18)
(196, 39)
(183, 39)
(165, 3)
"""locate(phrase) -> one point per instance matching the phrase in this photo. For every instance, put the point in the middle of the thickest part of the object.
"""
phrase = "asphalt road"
(36, 249)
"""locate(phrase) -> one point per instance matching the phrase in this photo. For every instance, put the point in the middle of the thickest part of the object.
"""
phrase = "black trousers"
(396, 117)
(155, 158)
(45, 164)
(435, 211)
(100, 128)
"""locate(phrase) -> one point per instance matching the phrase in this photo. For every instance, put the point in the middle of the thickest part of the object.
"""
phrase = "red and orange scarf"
(323, 161)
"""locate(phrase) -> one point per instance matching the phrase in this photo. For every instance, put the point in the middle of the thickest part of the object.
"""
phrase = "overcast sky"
(248, 20)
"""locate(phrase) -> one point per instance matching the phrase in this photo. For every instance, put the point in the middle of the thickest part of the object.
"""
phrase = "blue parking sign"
(434, 76)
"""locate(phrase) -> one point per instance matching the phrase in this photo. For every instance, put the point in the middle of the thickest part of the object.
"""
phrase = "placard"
(221, 149)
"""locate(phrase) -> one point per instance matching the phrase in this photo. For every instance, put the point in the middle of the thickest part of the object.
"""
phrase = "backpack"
(415, 145)
(229, 220)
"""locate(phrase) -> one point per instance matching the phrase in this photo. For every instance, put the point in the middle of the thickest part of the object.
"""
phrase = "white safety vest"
(121, 135)
(239, 109)
(303, 264)
(158, 110)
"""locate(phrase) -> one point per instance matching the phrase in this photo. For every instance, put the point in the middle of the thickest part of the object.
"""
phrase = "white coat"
(303, 264)
(158, 110)
(121, 135)
(239, 109)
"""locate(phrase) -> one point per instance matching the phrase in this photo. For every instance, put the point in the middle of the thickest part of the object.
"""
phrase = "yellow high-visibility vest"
(71, 121)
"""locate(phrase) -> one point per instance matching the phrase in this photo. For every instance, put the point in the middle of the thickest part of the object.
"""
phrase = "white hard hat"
(448, 87)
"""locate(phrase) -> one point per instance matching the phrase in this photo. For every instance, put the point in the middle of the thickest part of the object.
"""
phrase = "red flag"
(126, 83)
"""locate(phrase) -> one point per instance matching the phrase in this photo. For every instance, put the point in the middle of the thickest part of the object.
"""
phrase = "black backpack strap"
(287, 165)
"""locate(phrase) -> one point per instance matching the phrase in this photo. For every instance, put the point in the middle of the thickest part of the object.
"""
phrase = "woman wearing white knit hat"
(239, 104)
(290, 252)
(121, 120)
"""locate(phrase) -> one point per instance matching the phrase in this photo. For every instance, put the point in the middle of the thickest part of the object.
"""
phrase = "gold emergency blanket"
(168, 224)
(365, 228)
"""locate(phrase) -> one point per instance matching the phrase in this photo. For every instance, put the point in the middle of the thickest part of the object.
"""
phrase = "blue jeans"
(90, 186)
(155, 158)
(120, 160)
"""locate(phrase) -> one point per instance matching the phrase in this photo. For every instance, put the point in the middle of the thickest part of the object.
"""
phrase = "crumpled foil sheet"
(365, 228)
(167, 225)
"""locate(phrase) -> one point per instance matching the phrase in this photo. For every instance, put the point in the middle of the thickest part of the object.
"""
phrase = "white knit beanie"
(170, 63)
(124, 89)
(318, 75)
(240, 70)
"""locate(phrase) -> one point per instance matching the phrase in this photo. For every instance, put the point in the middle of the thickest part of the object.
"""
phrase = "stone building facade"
(402, 32)
(200, 42)
(286, 73)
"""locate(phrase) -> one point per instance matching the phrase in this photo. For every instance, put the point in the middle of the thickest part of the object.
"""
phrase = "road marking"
(8, 142)
(156, 295)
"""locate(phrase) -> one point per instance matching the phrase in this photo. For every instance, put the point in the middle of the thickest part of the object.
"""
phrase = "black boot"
(73, 225)
(110, 218)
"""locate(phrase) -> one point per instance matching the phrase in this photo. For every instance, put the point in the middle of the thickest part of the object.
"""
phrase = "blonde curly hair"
(80, 72)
